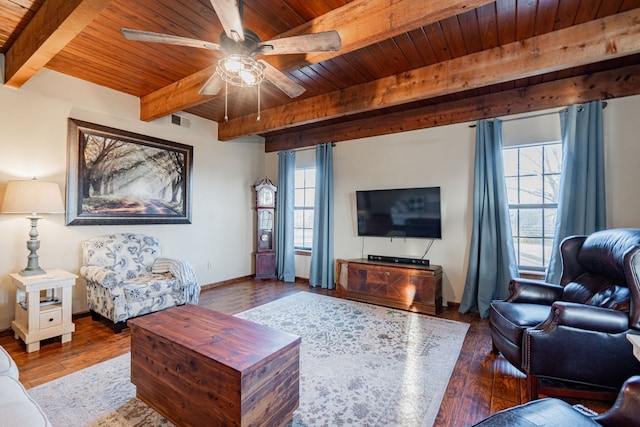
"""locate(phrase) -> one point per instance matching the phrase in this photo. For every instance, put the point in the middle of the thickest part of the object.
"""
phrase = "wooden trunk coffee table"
(196, 367)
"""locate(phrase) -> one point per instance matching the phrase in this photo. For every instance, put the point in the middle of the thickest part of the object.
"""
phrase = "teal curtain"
(285, 251)
(492, 260)
(581, 199)
(321, 273)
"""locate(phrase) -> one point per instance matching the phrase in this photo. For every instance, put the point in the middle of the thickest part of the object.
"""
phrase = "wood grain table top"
(237, 343)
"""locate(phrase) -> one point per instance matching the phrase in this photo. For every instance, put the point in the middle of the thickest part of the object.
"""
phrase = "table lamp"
(33, 197)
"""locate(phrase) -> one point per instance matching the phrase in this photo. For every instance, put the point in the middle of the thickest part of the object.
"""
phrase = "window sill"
(302, 252)
(535, 275)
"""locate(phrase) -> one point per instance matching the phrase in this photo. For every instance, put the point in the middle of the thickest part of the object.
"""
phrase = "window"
(532, 174)
(305, 195)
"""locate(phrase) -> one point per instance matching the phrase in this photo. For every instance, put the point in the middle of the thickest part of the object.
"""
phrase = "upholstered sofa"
(17, 408)
(126, 277)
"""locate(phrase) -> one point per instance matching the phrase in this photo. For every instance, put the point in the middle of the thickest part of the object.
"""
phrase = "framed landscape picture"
(119, 177)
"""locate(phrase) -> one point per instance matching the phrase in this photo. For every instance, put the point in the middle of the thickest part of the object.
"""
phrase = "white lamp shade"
(32, 196)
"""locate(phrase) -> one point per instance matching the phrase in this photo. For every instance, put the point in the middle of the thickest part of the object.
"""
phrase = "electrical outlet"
(209, 265)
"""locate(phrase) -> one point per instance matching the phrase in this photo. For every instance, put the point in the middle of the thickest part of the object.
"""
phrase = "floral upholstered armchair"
(127, 277)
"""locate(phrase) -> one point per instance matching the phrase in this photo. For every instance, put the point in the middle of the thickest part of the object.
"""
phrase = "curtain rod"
(531, 116)
(313, 147)
(513, 119)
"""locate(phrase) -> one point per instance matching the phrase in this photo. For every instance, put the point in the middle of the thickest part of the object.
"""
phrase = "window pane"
(310, 197)
(299, 178)
(513, 216)
(549, 222)
(310, 178)
(530, 189)
(308, 238)
(548, 245)
(299, 197)
(304, 204)
(308, 218)
(298, 218)
(551, 188)
(531, 160)
(298, 238)
(531, 252)
(530, 222)
(512, 190)
(532, 176)
(553, 158)
(510, 159)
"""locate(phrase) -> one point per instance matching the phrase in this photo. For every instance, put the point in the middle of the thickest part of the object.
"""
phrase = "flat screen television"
(402, 212)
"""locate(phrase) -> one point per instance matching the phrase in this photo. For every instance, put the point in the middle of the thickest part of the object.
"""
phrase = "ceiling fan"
(240, 45)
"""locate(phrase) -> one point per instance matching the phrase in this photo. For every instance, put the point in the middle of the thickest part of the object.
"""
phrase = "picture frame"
(115, 177)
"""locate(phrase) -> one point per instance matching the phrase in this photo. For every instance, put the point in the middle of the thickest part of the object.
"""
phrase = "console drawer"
(50, 317)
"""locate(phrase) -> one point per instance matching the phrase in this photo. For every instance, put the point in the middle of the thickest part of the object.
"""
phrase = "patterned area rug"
(360, 365)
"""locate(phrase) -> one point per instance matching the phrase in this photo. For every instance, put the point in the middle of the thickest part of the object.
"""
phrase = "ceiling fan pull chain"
(226, 92)
(259, 118)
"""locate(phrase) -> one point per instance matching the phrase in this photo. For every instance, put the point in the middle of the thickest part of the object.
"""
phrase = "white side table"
(43, 307)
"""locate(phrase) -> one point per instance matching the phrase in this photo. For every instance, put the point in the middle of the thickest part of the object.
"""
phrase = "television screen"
(403, 212)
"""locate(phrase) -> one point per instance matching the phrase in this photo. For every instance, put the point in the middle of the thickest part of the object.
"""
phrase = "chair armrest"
(100, 275)
(533, 291)
(588, 317)
(181, 270)
(626, 409)
(580, 343)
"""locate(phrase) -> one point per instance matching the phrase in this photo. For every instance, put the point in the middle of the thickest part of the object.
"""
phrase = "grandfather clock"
(265, 208)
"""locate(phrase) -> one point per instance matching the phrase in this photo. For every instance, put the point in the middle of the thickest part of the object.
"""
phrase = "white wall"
(33, 139)
(622, 161)
(444, 157)
(33, 142)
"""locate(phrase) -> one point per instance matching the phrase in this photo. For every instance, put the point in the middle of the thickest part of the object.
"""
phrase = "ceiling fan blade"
(212, 86)
(148, 36)
(327, 41)
(281, 80)
(229, 15)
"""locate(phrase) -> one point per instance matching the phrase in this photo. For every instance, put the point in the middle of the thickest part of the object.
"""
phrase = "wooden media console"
(408, 287)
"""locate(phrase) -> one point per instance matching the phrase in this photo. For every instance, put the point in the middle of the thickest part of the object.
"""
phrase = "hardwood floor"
(482, 382)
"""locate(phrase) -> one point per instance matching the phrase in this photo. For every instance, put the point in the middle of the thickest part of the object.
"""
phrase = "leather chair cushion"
(597, 290)
(603, 251)
(544, 412)
(512, 319)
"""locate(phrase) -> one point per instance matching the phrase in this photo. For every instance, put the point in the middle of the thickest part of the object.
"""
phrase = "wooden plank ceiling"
(404, 64)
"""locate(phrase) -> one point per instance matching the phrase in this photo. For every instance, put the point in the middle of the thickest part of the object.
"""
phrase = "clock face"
(266, 197)
(265, 241)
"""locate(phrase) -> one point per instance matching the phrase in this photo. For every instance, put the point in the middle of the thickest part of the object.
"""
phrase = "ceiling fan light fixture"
(248, 78)
(240, 70)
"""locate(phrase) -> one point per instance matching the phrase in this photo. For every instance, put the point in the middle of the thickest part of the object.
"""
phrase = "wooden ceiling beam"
(594, 41)
(362, 23)
(559, 93)
(55, 24)
(359, 23)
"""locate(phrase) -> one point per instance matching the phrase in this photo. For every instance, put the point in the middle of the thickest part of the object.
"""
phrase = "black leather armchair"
(625, 412)
(576, 332)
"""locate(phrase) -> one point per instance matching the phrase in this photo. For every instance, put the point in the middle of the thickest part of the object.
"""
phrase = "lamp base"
(33, 244)
(37, 271)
